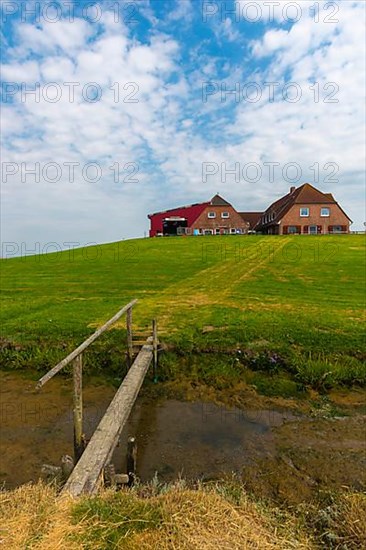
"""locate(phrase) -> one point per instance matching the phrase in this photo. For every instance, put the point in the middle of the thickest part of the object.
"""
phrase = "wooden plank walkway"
(88, 472)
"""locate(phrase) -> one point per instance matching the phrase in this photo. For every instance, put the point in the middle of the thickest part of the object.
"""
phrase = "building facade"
(219, 218)
(304, 211)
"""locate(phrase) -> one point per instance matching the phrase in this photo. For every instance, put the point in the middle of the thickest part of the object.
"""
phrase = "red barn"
(214, 217)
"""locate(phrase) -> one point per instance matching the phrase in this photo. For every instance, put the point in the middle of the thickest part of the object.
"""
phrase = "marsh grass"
(218, 514)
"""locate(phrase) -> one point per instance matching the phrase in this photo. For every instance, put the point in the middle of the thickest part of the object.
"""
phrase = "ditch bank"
(286, 449)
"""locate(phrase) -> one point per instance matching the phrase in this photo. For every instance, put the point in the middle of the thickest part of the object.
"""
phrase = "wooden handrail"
(41, 382)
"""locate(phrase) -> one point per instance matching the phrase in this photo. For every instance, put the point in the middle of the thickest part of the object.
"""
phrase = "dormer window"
(211, 215)
(225, 215)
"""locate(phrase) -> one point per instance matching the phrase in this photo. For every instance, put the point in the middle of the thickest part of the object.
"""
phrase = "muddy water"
(192, 439)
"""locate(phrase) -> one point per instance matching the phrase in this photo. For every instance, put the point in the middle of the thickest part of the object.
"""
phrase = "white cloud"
(182, 12)
(50, 37)
(27, 72)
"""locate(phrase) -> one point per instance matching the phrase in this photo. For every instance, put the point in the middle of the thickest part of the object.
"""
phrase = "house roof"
(251, 217)
(203, 204)
(305, 194)
(218, 201)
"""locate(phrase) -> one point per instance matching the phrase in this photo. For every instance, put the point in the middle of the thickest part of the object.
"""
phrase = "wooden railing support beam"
(155, 348)
(78, 406)
(131, 460)
(129, 336)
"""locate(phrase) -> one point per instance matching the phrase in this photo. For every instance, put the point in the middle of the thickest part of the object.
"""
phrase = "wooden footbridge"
(92, 460)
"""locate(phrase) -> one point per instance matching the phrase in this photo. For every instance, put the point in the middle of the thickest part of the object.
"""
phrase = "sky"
(114, 110)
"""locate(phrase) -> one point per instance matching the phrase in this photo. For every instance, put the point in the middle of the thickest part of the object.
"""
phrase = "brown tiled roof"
(219, 201)
(251, 217)
(305, 194)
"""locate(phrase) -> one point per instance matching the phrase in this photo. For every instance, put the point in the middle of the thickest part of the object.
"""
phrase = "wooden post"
(78, 407)
(129, 336)
(155, 348)
(131, 460)
(67, 466)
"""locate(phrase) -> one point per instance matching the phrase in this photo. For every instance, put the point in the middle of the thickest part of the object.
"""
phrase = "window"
(225, 215)
(211, 215)
(292, 229)
(208, 232)
(325, 212)
(337, 229)
(304, 212)
(233, 231)
(217, 231)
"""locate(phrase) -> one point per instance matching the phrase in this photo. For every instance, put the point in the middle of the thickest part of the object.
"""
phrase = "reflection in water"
(191, 439)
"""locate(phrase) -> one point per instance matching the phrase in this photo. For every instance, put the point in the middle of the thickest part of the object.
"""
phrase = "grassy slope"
(306, 294)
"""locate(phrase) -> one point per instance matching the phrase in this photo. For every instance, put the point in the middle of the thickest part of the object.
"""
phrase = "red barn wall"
(188, 212)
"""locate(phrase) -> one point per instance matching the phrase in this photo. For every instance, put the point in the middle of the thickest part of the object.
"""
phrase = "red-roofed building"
(216, 217)
(304, 210)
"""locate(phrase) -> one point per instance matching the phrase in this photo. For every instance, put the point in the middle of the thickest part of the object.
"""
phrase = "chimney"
(292, 189)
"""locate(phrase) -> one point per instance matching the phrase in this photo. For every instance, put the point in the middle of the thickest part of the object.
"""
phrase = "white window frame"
(325, 215)
(304, 215)
(207, 232)
(233, 231)
(217, 231)
(223, 215)
(211, 215)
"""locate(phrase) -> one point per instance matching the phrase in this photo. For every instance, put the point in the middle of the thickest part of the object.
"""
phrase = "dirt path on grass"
(211, 286)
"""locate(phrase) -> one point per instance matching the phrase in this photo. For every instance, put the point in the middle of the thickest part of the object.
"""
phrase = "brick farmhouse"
(304, 210)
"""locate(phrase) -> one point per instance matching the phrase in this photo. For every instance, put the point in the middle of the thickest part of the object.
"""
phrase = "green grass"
(111, 521)
(300, 297)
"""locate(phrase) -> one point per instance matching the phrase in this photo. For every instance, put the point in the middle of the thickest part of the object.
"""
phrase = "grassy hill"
(276, 299)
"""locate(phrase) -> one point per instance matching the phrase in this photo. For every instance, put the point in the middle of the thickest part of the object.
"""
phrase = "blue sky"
(132, 115)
